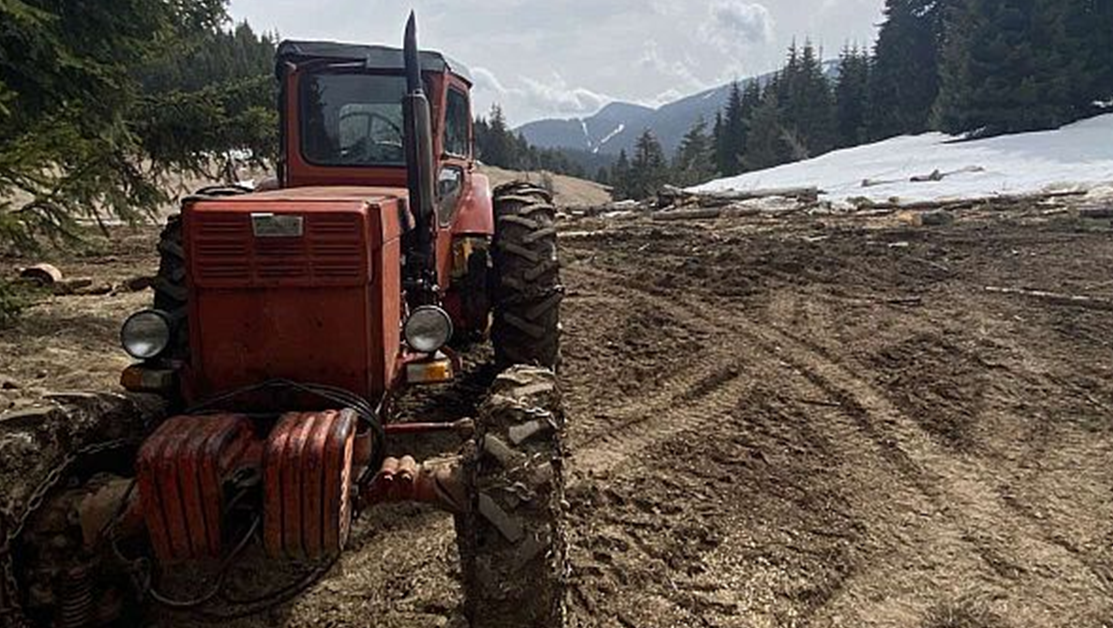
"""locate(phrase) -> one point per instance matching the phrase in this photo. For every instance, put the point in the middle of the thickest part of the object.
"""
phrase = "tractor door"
(455, 176)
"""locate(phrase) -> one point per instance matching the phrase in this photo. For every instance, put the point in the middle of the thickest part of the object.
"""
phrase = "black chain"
(11, 613)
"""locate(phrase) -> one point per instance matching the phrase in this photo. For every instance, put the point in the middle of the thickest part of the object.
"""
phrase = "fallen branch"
(1089, 303)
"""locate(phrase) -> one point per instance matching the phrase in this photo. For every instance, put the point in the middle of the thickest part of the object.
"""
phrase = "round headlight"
(145, 335)
(428, 329)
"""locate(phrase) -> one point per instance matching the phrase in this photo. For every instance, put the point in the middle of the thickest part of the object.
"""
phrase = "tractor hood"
(301, 284)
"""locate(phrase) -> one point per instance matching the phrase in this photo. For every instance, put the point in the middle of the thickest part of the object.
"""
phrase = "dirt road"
(811, 422)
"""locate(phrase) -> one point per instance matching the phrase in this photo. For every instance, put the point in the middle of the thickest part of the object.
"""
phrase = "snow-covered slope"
(1079, 155)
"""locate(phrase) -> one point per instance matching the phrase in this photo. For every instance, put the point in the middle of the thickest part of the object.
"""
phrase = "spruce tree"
(733, 140)
(751, 100)
(620, 177)
(649, 169)
(1085, 28)
(767, 145)
(719, 144)
(1007, 69)
(851, 96)
(904, 83)
(809, 111)
(693, 164)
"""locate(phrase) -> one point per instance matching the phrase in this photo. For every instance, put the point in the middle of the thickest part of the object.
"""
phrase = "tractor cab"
(342, 120)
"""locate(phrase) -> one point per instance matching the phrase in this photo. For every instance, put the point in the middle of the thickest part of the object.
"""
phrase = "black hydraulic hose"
(368, 415)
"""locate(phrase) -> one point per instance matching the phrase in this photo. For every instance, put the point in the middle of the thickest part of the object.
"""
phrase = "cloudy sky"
(568, 58)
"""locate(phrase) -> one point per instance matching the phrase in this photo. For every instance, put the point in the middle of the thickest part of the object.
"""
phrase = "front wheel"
(511, 539)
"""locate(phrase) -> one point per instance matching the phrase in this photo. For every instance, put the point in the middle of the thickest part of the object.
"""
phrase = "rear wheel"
(171, 294)
(526, 281)
(512, 541)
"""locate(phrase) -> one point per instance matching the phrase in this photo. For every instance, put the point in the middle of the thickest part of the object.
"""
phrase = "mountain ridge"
(617, 126)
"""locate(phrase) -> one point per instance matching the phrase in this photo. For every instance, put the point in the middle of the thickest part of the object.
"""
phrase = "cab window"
(353, 119)
(456, 119)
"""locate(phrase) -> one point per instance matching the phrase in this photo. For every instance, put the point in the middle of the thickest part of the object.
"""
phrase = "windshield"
(353, 119)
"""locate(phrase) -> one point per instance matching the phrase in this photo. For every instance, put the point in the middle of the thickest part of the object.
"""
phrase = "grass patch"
(966, 612)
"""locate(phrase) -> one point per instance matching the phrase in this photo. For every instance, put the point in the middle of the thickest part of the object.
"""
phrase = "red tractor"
(285, 324)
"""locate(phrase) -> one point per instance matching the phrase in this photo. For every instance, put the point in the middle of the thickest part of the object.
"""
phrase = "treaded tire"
(526, 286)
(171, 294)
(512, 539)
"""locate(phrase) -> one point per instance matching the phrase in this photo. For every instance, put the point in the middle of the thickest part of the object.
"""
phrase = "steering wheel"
(369, 150)
(390, 123)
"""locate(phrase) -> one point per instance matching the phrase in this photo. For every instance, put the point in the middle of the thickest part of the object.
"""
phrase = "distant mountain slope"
(589, 134)
(617, 126)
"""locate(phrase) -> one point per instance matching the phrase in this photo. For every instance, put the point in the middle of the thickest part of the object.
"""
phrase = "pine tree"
(78, 126)
(733, 135)
(751, 100)
(497, 145)
(693, 163)
(603, 176)
(649, 170)
(851, 96)
(620, 177)
(1085, 28)
(767, 145)
(904, 83)
(808, 111)
(719, 144)
(1008, 68)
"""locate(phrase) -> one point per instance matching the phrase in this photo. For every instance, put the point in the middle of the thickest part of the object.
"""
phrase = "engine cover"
(180, 471)
(307, 484)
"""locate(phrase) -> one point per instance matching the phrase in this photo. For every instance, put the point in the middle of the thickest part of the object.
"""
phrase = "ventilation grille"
(226, 252)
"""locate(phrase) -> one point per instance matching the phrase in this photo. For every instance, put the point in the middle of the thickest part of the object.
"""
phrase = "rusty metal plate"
(181, 470)
(307, 479)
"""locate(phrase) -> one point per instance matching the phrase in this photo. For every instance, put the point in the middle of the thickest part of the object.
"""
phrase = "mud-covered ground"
(808, 421)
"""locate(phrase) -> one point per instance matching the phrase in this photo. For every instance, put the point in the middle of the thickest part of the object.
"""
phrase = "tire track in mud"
(964, 496)
(707, 388)
(911, 449)
(960, 490)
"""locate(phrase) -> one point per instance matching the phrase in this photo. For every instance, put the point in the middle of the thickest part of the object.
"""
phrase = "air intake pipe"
(421, 262)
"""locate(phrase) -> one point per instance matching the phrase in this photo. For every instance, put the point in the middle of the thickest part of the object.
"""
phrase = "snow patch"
(587, 134)
(1077, 156)
(610, 136)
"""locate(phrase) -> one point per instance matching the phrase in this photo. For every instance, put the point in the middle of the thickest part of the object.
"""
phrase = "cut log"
(936, 175)
(1089, 303)
(1096, 212)
(41, 274)
(956, 204)
(687, 214)
(71, 286)
(672, 195)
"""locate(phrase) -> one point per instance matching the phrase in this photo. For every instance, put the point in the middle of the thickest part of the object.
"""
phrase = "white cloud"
(486, 80)
(735, 25)
(680, 75)
(559, 97)
(553, 97)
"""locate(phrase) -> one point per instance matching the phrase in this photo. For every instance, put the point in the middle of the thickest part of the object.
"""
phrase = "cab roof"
(373, 57)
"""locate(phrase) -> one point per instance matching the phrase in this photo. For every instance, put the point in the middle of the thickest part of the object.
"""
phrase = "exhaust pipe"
(421, 262)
